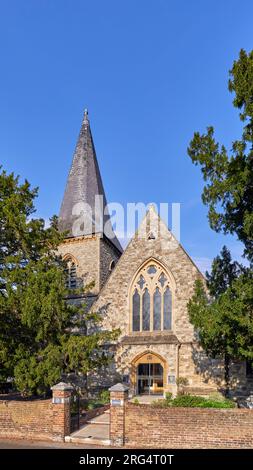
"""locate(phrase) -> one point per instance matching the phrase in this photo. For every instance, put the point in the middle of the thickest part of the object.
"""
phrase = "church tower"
(91, 251)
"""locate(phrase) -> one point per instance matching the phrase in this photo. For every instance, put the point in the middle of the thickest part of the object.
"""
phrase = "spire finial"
(85, 116)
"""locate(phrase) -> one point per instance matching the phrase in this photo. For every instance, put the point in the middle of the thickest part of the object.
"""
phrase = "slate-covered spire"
(84, 201)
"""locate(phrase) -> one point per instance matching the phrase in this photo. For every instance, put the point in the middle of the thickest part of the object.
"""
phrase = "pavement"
(29, 444)
(96, 431)
(93, 435)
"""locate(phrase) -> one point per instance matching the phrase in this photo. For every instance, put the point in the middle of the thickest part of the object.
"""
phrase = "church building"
(142, 290)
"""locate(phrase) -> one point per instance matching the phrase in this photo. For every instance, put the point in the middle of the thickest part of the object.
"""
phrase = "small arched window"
(151, 299)
(112, 265)
(71, 274)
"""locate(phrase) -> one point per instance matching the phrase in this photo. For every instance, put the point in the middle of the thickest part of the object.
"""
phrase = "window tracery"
(151, 299)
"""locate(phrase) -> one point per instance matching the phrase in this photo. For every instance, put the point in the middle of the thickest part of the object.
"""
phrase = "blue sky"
(151, 72)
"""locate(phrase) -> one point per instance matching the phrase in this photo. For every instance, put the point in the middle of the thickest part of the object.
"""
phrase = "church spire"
(85, 117)
(84, 189)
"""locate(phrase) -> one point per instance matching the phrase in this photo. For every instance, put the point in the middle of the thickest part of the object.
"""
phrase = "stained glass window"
(157, 309)
(136, 311)
(146, 311)
(71, 276)
(151, 270)
(141, 281)
(167, 309)
(151, 299)
(162, 279)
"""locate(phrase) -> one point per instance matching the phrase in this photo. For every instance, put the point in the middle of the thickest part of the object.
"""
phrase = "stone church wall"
(85, 250)
(115, 299)
(108, 255)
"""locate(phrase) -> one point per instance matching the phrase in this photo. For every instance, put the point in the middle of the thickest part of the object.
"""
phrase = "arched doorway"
(149, 374)
(149, 379)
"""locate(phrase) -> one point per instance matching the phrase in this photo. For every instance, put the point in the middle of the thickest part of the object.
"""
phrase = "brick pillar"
(61, 410)
(118, 400)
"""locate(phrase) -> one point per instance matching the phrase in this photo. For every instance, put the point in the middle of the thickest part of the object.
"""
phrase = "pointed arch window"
(136, 311)
(157, 309)
(146, 310)
(151, 299)
(71, 272)
(167, 309)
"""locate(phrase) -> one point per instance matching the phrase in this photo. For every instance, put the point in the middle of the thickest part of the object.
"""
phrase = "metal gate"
(74, 412)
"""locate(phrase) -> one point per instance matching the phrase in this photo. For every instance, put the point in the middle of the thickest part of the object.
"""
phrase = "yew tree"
(42, 335)
(228, 174)
(224, 319)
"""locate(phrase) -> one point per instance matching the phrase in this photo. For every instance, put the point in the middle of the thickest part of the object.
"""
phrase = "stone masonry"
(179, 347)
(93, 255)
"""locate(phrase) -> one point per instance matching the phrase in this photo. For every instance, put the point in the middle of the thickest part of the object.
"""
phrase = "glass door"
(149, 379)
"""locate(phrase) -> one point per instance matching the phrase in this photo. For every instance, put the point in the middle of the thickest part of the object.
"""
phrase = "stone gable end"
(114, 298)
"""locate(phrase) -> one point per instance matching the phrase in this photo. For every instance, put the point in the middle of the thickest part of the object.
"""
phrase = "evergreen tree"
(225, 321)
(229, 174)
(41, 333)
(225, 324)
(224, 271)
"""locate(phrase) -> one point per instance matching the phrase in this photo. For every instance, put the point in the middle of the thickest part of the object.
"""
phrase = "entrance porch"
(149, 375)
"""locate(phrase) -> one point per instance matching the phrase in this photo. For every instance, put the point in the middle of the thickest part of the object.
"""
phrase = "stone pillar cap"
(62, 386)
(119, 388)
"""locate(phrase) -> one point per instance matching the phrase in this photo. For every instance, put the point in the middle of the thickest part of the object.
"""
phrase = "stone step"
(100, 419)
(98, 422)
(88, 440)
(91, 433)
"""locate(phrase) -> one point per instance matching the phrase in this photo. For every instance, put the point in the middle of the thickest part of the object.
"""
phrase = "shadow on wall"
(91, 384)
(104, 377)
(212, 372)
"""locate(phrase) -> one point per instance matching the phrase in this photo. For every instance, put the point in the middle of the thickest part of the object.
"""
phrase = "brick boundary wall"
(37, 419)
(189, 428)
(145, 426)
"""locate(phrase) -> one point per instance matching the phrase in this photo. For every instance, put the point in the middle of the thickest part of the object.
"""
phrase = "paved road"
(28, 444)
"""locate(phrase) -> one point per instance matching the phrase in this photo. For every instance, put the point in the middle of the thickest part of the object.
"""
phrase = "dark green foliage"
(225, 325)
(40, 332)
(229, 174)
(223, 273)
(101, 400)
(168, 396)
(201, 402)
(225, 320)
(104, 397)
(93, 404)
(192, 401)
(136, 401)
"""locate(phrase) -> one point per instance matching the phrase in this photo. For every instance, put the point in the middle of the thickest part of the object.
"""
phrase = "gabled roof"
(151, 224)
